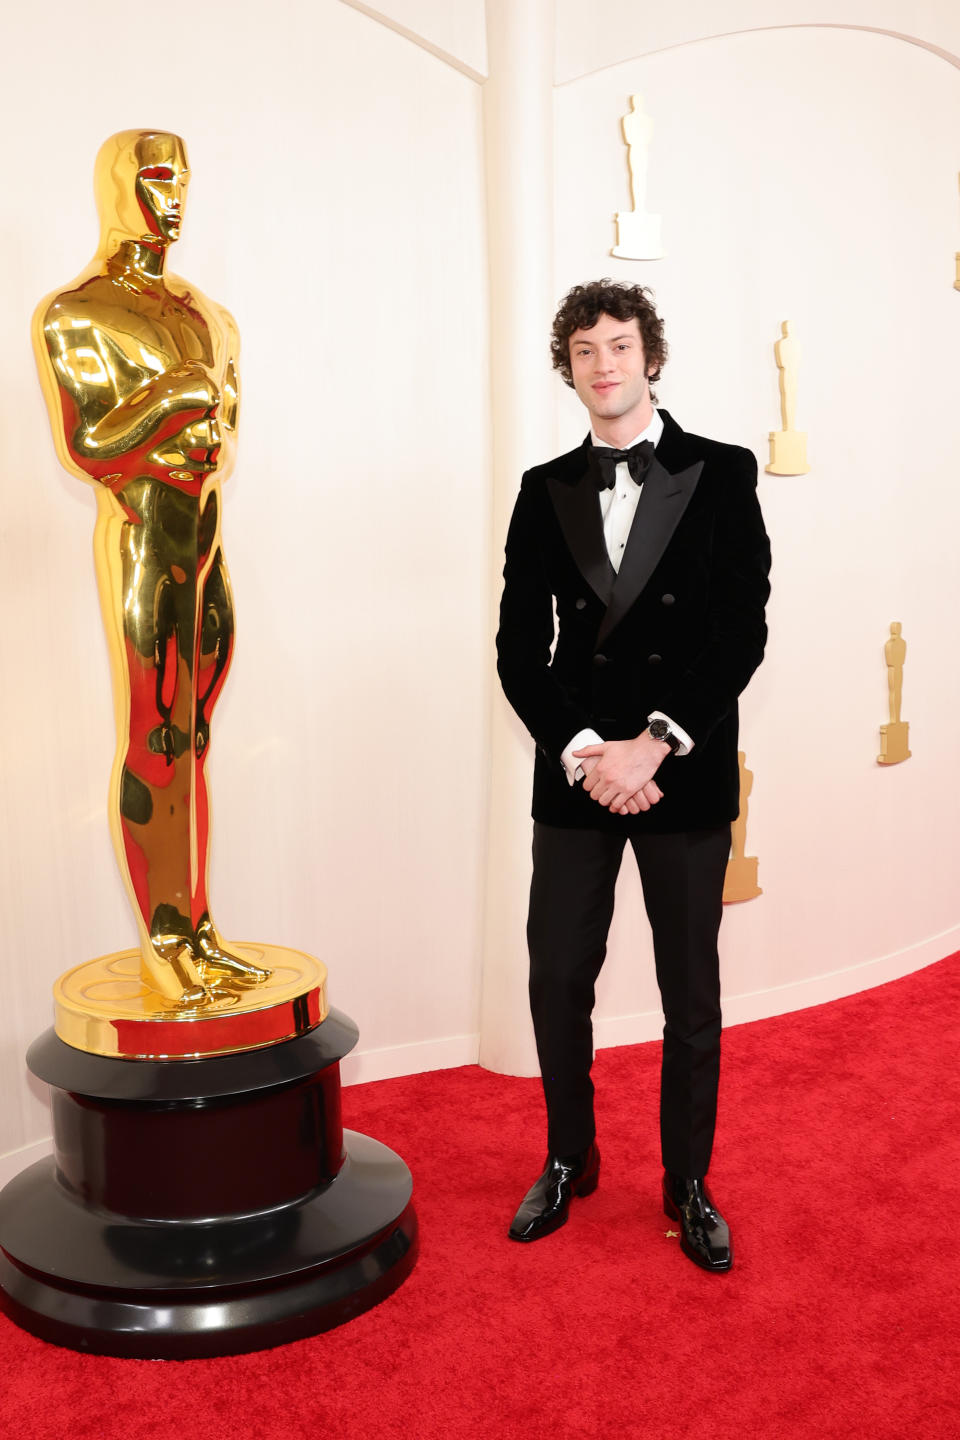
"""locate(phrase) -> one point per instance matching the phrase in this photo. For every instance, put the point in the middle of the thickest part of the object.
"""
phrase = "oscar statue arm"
(186, 392)
(230, 403)
(100, 405)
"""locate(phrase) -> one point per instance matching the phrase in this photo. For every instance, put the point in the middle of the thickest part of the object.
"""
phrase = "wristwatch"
(660, 730)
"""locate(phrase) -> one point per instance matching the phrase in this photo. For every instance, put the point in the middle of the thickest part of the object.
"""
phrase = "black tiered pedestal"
(202, 1207)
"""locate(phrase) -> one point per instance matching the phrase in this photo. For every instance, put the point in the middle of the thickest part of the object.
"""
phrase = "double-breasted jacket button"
(667, 599)
(599, 659)
(581, 603)
(654, 659)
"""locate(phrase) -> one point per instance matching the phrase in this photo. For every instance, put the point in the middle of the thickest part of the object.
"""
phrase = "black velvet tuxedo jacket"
(680, 628)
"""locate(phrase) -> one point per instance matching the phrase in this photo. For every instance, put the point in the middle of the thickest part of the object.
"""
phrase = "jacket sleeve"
(708, 687)
(526, 633)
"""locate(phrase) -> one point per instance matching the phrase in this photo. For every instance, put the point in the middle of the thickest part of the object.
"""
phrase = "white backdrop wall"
(338, 209)
(807, 174)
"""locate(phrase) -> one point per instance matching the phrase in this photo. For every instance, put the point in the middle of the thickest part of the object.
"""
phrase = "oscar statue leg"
(150, 592)
(215, 639)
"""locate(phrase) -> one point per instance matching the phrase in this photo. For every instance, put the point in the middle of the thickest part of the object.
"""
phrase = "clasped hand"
(619, 773)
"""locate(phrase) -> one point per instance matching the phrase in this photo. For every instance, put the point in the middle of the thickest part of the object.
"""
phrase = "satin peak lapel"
(578, 511)
(662, 503)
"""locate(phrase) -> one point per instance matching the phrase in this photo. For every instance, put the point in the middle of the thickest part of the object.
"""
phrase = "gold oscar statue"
(895, 735)
(788, 447)
(638, 234)
(139, 370)
(740, 881)
(203, 1196)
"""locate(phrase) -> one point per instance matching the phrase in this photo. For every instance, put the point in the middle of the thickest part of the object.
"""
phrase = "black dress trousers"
(571, 906)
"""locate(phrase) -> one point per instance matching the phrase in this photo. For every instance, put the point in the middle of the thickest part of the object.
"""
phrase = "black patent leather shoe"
(704, 1234)
(547, 1203)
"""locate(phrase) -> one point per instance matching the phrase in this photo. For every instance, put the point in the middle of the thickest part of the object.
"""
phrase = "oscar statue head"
(141, 179)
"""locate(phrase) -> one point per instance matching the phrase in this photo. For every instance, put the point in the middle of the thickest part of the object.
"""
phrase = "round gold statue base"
(105, 1008)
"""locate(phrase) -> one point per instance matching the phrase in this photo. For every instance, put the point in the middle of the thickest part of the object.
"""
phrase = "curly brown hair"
(581, 308)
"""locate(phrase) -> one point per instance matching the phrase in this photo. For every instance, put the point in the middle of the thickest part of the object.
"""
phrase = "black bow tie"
(604, 462)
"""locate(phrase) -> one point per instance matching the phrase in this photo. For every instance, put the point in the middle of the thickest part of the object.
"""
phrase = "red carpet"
(835, 1165)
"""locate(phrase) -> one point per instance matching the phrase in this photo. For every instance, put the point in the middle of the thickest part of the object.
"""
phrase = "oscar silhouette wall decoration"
(740, 881)
(788, 446)
(638, 233)
(203, 1196)
(895, 735)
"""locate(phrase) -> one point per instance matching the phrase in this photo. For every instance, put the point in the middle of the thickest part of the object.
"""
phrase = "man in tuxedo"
(650, 544)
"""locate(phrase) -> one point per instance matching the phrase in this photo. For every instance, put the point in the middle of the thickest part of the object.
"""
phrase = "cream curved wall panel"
(803, 173)
(609, 32)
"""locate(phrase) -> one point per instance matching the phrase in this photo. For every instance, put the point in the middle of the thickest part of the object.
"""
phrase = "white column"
(518, 125)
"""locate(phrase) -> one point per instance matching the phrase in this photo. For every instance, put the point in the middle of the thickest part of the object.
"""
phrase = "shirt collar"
(652, 433)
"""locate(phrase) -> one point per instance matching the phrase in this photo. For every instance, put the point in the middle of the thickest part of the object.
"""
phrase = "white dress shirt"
(618, 508)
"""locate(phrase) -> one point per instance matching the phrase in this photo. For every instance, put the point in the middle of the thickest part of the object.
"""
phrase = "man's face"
(609, 370)
(161, 192)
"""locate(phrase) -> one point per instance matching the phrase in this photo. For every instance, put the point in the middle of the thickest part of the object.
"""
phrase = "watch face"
(660, 730)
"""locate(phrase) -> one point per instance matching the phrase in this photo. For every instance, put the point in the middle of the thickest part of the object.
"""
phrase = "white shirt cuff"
(686, 744)
(570, 764)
